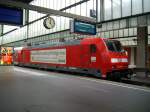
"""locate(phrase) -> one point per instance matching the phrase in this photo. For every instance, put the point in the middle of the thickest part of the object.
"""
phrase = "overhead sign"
(82, 27)
(12, 16)
(6, 55)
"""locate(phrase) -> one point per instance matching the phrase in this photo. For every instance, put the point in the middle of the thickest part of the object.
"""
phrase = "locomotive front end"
(118, 60)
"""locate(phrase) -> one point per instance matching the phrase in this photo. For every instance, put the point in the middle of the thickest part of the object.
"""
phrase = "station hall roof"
(24, 1)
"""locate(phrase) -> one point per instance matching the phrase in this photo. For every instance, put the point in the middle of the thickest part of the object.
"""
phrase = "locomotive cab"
(118, 59)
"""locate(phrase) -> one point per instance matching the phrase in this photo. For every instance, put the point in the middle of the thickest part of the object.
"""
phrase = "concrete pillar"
(102, 10)
(26, 21)
(1, 33)
(26, 17)
(1, 30)
(132, 59)
(142, 44)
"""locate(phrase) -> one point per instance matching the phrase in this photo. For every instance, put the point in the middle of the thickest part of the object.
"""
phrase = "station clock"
(49, 23)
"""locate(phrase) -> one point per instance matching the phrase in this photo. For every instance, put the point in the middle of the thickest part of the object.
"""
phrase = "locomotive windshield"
(114, 45)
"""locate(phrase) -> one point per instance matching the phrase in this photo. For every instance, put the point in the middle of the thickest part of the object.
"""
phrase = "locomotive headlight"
(114, 60)
(117, 60)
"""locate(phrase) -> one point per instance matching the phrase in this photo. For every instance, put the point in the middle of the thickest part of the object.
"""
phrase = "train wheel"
(109, 76)
(117, 77)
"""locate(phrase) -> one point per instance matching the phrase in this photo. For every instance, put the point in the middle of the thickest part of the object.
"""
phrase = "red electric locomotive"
(98, 56)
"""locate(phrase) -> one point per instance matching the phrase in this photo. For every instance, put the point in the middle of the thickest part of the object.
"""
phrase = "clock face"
(49, 23)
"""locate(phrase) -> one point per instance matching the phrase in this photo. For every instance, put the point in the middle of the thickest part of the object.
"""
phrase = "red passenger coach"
(97, 56)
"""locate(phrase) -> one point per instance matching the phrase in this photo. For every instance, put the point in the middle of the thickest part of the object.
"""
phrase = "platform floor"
(30, 90)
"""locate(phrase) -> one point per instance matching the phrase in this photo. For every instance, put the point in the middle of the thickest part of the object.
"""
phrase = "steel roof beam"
(44, 10)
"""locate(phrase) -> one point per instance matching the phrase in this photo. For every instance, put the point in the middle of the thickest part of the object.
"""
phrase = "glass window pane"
(146, 5)
(126, 8)
(8, 28)
(94, 4)
(136, 6)
(116, 33)
(107, 9)
(71, 1)
(59, 5)
(67, 23)
(72, 10)
(120, 33)
(123, 23)
(89, 7)
(78, 9)
(83, 7)
(116, 8)
(109, 26)
(133, 22)
(51, 4)
(116, 25)
(67, 2)
(33, 15)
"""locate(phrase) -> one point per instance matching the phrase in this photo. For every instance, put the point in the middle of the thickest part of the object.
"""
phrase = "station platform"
(138, 81)
(31, 90)
(141, 81)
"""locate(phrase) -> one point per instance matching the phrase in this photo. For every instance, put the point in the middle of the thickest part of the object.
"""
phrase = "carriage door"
(93, 58)
(85, 55)
(23, 56)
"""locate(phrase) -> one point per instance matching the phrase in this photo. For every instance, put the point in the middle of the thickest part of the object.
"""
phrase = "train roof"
(56, 44)
(66, 43)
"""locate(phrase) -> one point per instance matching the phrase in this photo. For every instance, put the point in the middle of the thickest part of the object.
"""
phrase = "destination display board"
(6, 55)
(11, 16)
(83, 27)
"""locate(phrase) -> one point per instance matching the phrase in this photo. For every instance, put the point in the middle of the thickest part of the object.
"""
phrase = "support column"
(1, 33)
(26, 43)
(132, 56)
(142, 44)
(102, 10)
(1, 30)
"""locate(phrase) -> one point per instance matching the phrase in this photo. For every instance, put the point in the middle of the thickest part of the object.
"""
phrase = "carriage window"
(93, 48)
